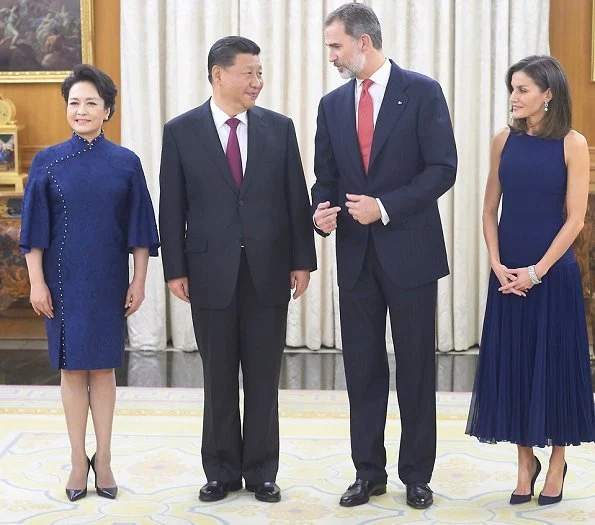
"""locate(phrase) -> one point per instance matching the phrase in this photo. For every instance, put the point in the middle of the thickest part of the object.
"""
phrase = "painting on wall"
(42, 40)
(8, 151)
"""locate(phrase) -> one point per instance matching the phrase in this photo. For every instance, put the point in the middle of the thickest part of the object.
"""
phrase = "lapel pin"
(400, 103)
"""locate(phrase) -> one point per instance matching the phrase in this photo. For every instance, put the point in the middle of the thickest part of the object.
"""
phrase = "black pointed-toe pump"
(110, 492)
(517, 499)
(550, 500)
(75, 494)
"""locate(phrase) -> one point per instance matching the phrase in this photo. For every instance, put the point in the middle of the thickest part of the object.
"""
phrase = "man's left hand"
(299, 280)
(363, 208)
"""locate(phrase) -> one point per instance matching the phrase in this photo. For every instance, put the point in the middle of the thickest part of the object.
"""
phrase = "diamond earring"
(546, 105)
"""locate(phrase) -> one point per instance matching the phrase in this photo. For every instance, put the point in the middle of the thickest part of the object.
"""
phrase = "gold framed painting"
(44, 39)
(9, 149)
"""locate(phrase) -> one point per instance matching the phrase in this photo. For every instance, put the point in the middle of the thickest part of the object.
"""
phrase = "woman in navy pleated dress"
(533, 383)
(86, 207)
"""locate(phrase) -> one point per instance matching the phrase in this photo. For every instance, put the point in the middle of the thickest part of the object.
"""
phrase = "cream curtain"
(467, 45)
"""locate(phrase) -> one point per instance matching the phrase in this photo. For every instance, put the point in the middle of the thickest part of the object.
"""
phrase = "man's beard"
(352, 68)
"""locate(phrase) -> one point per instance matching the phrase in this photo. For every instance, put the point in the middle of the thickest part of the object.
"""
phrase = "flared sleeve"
(142, 228)
(35, 214)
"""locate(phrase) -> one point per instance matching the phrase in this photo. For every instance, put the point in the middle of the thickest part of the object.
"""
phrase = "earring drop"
(546, 105)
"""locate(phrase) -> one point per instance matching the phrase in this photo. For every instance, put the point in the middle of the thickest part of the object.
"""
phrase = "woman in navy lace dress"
(533, 383)
(86, 207)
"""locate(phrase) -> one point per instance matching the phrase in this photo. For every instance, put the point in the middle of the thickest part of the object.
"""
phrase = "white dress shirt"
(220, 118)
(376, 90)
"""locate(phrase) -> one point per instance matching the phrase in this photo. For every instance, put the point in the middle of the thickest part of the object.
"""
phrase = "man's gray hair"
(358, 19)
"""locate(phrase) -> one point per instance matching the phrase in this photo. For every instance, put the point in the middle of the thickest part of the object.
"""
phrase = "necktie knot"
(366, 84)
(233, 122)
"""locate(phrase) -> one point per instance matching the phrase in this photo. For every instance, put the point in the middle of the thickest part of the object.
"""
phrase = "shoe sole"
(376, 492)
(419, 507)
(268, 499)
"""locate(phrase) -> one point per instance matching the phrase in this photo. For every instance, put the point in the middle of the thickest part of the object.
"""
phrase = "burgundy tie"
(234, 158)
(365, 123)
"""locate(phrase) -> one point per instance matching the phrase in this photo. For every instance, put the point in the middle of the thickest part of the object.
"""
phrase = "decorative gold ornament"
(8, 111)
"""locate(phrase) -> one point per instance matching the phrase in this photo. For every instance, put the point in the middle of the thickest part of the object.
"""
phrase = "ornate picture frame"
(43, 41)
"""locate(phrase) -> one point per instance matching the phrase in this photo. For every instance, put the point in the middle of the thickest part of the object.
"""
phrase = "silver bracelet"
(533, 274)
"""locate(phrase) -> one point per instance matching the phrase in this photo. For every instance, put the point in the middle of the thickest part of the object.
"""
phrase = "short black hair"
(547, 73)
(358, 19)
(223, 52)
(103, 83)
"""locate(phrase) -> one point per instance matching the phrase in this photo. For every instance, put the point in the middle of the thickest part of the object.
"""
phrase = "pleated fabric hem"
(533, 382)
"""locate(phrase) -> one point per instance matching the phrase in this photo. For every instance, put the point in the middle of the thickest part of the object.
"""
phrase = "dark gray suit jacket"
(205, 220)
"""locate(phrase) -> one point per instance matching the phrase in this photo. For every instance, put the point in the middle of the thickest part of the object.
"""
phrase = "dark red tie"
(365, 123)
(234, 158)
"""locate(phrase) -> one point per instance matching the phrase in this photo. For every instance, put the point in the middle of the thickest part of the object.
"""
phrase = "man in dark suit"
(385, 152)
(237, 236)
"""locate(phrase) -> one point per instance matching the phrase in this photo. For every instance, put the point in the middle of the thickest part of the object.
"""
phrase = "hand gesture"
(325, 217)
(521, 283)
(362, 208)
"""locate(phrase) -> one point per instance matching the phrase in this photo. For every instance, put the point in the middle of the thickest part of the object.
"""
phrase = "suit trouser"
(363, 327)
(252, 336)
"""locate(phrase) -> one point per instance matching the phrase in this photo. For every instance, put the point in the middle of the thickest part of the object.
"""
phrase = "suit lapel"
(256, 139)
(204, 126)
(392, 108)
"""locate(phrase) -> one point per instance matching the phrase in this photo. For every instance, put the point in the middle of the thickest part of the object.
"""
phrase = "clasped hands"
(513, 280)
(363, 208)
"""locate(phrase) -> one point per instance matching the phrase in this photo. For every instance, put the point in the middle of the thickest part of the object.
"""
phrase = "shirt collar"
(380, 76)
(220, 117)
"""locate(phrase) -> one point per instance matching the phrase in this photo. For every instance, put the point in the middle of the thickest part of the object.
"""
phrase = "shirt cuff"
(383, 215)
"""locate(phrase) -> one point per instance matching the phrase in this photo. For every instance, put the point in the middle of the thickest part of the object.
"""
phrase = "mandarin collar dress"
(87, 205)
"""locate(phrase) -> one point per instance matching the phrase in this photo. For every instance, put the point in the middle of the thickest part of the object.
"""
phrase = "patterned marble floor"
(157, 465)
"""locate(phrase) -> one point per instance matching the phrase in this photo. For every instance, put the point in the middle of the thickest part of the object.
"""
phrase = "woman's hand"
(134, 297)
(41, 299)
(521, 283)
(507, 279)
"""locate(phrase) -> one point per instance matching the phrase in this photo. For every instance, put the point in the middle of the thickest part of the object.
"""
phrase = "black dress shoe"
(106, 492)
(419, 495)
(268, 491)
(74, 494)
(359, 492)
(216, 490)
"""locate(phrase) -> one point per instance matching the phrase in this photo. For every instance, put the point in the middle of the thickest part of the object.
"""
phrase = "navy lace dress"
(87, 205)
(533, 383)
